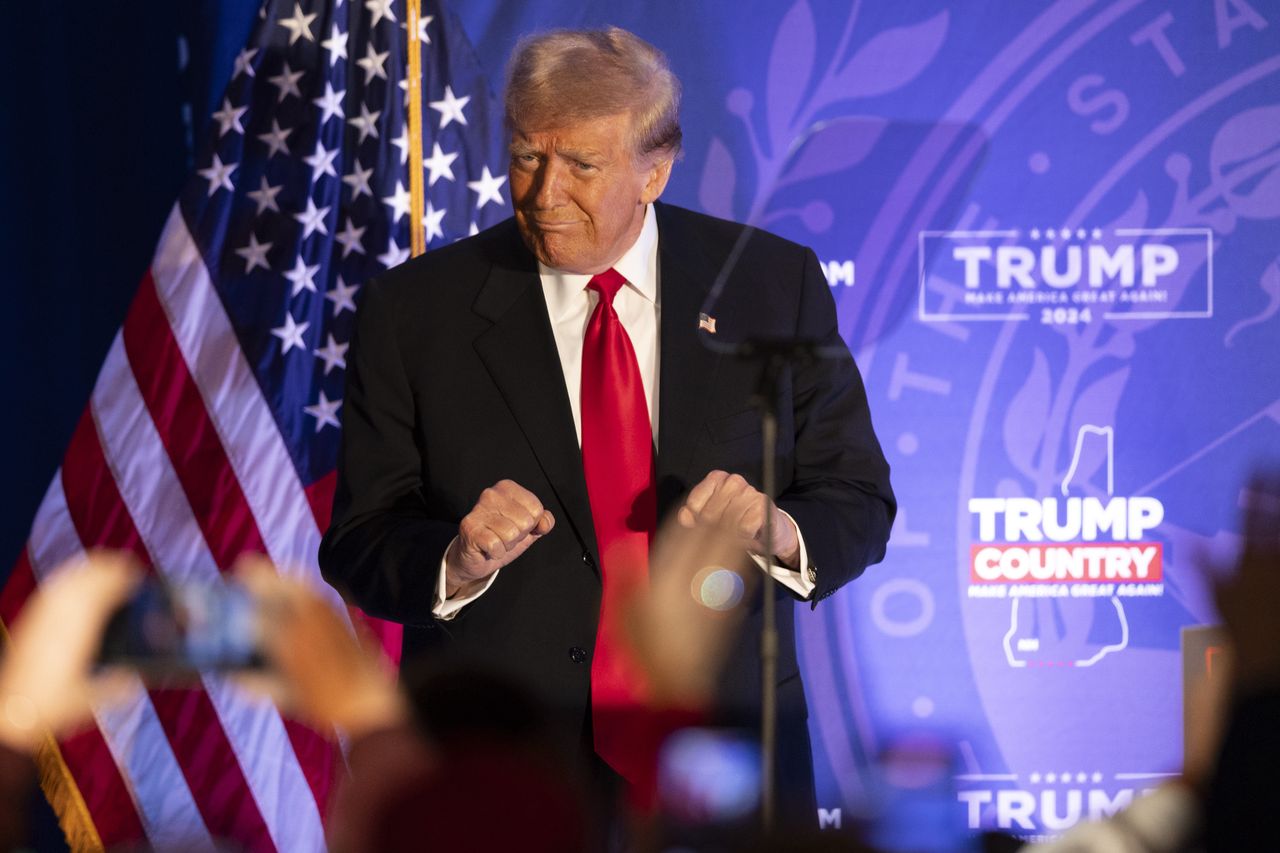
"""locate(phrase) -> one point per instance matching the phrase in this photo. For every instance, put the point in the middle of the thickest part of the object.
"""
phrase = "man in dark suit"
(486, 467)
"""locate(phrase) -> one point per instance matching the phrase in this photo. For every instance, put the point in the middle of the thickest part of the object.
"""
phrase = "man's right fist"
(506, 520)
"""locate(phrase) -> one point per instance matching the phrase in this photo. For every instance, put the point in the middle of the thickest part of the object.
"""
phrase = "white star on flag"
(402, 142)
(312, 220)
(336, 45)
(488, 187)
(342, 296)
(423, 38)
(380, 9)
(244, 61)
(299, 24)
(333, 354)
(450, 108)
(325, 412)
(287, 82)
(358, 180)
(439, 164)
(366, 123)
(290, 334)
(372, 63)
(398, 202)
(330, 103)
(431, 221)
(255, 254)
(275, 139)
(218, 175)
(265, 196)
(349, 237)
(229, 117)
(321, 162)
(394, 255)
(302, 276)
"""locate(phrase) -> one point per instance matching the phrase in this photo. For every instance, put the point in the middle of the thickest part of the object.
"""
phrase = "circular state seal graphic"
(1047, 237)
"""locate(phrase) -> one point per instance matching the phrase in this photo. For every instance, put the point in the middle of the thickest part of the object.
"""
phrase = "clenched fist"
(506, 520)
(727, 499)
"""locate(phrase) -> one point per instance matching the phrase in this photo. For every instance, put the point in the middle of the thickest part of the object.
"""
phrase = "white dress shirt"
(639, 306)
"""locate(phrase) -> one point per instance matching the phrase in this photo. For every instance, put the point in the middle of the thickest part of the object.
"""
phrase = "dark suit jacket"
(454, 383)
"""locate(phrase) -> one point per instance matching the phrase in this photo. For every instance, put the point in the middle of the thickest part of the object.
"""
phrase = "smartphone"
(166, 629)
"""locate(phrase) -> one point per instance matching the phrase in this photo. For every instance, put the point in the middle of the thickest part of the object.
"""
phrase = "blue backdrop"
(1050, 229)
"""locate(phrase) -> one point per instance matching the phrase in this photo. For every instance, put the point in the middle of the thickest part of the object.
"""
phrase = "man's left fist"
(727, 499)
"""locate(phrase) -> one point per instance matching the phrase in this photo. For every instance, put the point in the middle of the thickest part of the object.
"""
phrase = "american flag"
(213, 427)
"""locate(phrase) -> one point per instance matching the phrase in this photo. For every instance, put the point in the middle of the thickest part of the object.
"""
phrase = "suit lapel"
(519, 351)
(686, 366)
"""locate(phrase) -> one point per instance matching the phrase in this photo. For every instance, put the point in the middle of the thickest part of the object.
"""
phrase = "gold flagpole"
(417, 235)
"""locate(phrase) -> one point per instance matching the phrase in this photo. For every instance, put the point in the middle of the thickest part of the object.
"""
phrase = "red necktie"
(617, 459)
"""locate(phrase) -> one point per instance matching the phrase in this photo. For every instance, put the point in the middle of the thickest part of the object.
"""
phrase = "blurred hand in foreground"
(47, 678)
(682, 627)
(320, 670)
(1248, 596)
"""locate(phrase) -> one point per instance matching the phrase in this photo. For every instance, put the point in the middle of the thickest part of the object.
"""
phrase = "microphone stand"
(774, 355)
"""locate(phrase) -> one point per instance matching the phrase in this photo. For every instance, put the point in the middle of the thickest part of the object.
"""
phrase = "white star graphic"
(439, 164)
(255, 254)
(244, 60)
(398, 202)
(404, 87)
(333, 354)
(450, 108)
(325, 412)
(287, 82)
(290, 334)
(349, 237)
(312, 220)
(380, 9)
(473, 230)
(218, 175)
(298, 25)
(402, 142)
(488, 188)
(431, 221)
(372, 63)
(276, 138)
(394, 255)
(423, 38)
(265, 196)
(342, 296)
(336, 45)
(358, 180)
(330, 103)
(302, 276)
(229, 117)
(366, 122)
(321, 162)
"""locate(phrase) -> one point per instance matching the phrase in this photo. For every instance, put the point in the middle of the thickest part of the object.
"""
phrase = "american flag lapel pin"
(707, 323)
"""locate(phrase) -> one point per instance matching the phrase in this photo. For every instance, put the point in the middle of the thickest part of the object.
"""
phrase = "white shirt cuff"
(445, 608)
(799, 580)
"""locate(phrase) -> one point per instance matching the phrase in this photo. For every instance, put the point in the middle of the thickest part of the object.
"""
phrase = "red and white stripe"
(178, 458)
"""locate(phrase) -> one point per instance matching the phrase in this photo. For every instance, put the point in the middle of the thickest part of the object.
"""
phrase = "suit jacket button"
(587, 560)
(577, 655)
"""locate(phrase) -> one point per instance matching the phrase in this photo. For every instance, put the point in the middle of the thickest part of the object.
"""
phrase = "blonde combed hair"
(564, 77)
